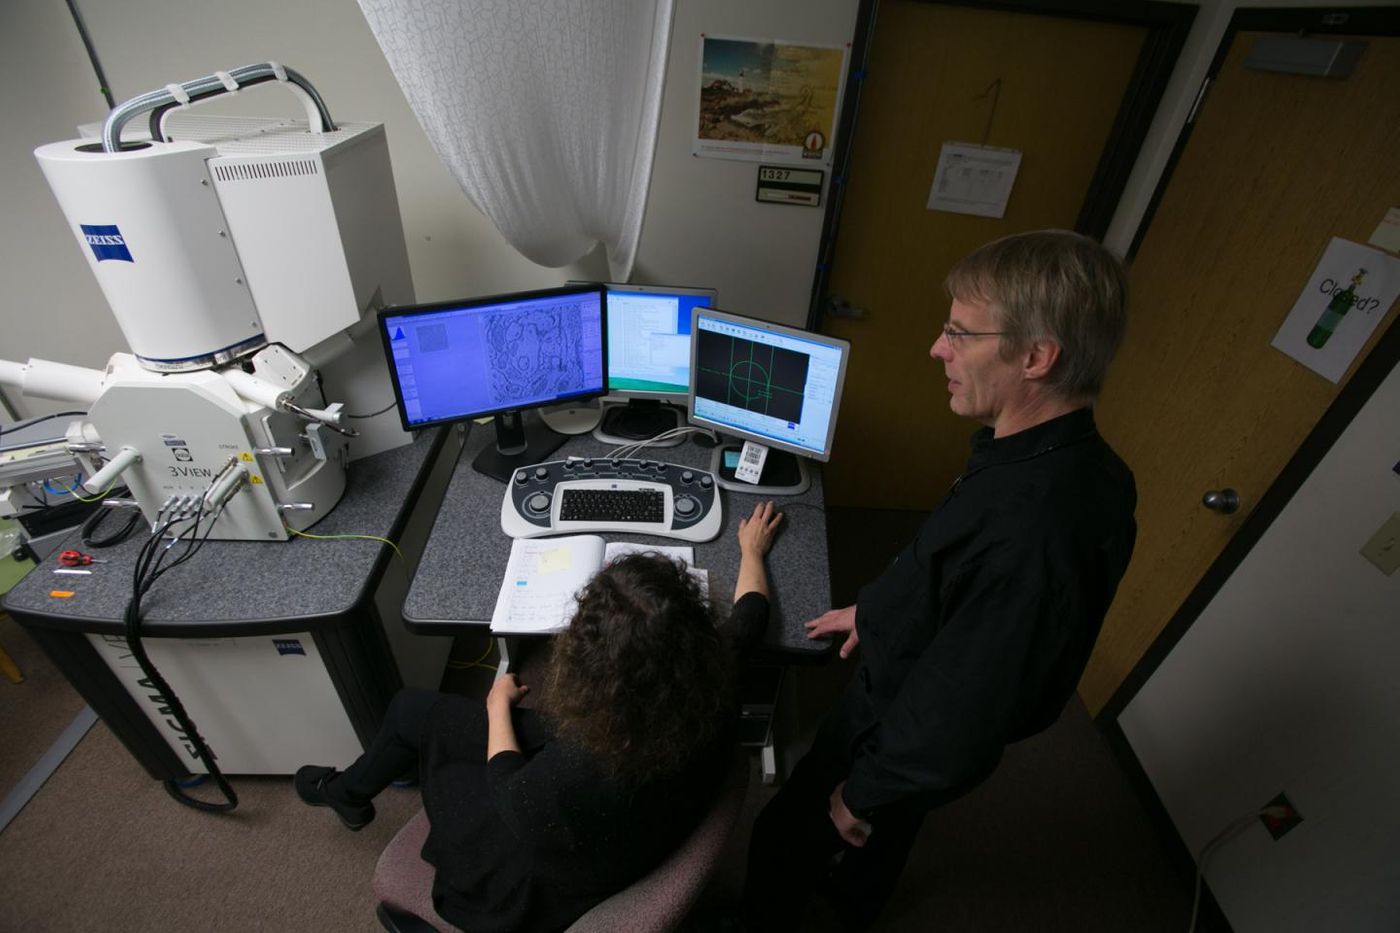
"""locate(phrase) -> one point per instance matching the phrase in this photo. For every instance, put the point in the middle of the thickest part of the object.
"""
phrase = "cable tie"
(278, 70)
(227, 80)
(177, 91)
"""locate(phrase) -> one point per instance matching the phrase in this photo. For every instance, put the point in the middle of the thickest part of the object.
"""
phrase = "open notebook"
(544, 575)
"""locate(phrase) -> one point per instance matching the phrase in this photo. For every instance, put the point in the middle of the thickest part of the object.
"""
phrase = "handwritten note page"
(542, 578)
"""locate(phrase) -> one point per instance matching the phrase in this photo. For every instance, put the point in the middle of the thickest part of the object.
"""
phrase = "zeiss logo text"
(106, 242)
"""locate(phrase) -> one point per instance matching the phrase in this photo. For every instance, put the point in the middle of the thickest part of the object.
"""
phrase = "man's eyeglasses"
(955, 335)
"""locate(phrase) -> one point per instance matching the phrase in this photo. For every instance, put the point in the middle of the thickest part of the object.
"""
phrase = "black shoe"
(310, 782)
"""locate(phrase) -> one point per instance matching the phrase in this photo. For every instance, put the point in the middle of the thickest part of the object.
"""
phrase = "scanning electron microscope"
(243, 259)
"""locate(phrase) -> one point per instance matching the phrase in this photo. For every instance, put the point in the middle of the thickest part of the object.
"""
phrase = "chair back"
(654, 903)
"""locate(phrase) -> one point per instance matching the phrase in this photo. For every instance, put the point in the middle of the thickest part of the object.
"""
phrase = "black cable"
(779, 506)
(375, 413)
(40, 420)
(92, 55)
(146, 571)
(95, 520)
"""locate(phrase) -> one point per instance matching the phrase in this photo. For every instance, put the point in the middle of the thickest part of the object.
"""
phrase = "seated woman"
(537, 815)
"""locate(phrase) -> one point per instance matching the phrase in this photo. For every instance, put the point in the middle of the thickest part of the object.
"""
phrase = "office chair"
(654, 903)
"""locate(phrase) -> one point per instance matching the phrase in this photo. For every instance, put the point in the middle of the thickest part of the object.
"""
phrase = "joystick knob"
(538, 503)
(685, 506)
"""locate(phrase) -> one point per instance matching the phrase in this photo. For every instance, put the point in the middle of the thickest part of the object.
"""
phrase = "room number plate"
(779, 185)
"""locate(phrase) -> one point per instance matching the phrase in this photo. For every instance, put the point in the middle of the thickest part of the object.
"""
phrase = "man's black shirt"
(978, 632)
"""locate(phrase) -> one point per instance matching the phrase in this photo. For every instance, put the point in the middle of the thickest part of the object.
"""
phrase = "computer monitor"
(500, 355)
(774, 385)
(648, 358)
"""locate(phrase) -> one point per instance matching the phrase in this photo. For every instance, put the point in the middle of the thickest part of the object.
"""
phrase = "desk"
(316, 691)
(466, 554)
(465, 560)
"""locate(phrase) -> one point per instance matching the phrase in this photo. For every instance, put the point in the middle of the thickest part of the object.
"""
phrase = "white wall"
(702, 225)
(50, 305)
(1288, 683)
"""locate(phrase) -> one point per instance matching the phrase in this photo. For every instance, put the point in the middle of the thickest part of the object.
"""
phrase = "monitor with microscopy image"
(500, 356)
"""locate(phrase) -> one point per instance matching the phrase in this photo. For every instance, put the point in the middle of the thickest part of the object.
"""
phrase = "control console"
(597, 494)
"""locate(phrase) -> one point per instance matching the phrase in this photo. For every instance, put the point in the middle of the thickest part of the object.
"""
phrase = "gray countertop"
(465, 558)
(237, 584)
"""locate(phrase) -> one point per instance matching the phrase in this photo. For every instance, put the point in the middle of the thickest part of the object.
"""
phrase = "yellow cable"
(97, 498)
(463, 665)
(304, 534)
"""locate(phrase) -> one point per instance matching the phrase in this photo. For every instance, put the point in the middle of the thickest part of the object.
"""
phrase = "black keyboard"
(612, 505)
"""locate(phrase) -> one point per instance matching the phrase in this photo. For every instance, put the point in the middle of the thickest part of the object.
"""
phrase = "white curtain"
(545, 111)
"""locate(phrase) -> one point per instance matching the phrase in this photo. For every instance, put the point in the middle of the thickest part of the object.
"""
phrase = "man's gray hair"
(1056, 285)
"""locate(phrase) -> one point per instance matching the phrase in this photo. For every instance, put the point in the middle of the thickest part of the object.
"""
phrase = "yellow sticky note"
(555, 560)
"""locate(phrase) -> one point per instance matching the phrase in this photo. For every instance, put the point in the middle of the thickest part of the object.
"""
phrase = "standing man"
(977, 633)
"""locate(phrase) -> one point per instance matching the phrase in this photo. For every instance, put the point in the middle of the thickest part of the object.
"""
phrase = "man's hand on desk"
(835, 622)
(853, 830)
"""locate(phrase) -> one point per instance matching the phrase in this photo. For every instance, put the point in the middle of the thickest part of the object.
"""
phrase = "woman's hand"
(756, 532)
(505, 693)
(500, 730)
(756, 535)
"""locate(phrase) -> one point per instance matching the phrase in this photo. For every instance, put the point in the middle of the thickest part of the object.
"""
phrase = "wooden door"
(1276, 165)
(932, 79)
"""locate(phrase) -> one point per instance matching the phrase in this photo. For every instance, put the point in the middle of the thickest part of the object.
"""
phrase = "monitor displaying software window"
(778, 386)
(484, 356)
(649, 339)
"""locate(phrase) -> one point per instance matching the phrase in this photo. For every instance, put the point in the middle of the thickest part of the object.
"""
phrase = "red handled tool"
(78, 559)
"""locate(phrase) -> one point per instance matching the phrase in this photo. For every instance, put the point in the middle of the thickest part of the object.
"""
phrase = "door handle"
(837, 306)
(1225, 501)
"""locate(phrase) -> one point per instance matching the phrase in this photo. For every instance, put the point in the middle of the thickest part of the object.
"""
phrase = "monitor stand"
(518, 444)
(784, 474)
(639, 420)
(572, 417)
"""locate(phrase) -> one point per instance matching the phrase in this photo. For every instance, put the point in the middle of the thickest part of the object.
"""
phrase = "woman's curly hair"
(643, 678)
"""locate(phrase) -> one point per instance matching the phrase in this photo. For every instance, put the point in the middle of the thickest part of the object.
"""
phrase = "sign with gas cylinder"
(1347, 296)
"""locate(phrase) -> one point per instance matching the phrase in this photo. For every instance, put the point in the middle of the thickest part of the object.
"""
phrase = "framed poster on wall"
(763, 100)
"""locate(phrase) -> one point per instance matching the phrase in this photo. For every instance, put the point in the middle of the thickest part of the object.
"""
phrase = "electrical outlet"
(1279, 817)
(1383, 549)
